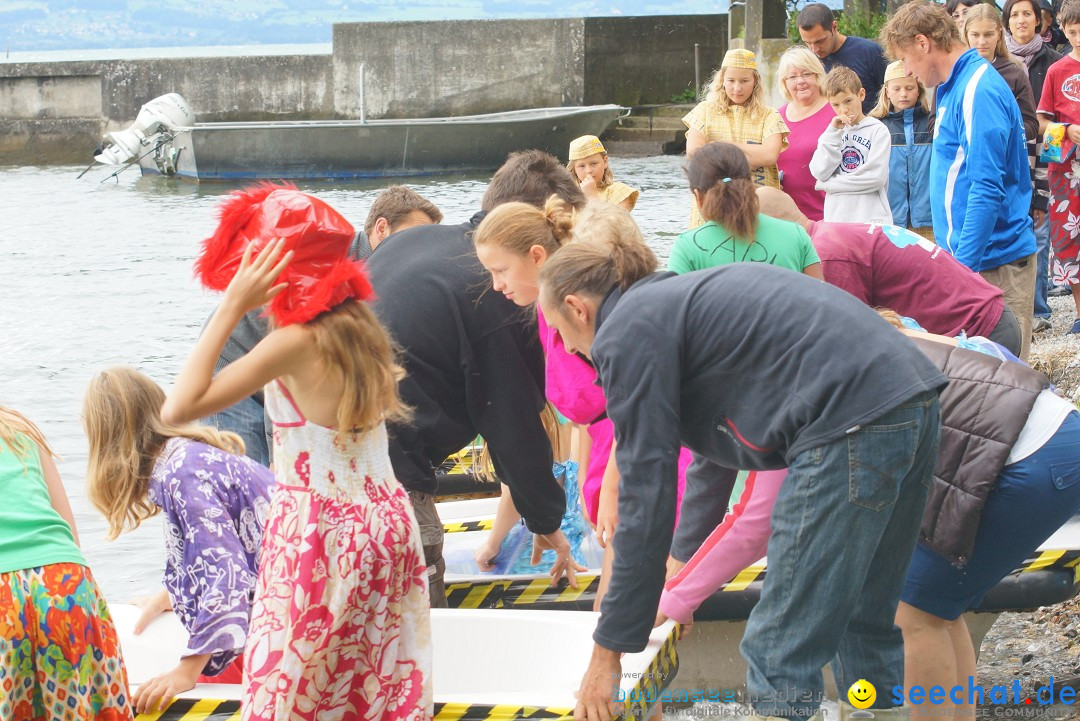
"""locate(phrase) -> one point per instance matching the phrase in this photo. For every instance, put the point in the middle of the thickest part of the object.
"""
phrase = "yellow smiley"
(862, 694)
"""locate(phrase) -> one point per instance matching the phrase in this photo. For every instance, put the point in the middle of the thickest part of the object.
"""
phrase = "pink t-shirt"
(794, 162)
(570, 385)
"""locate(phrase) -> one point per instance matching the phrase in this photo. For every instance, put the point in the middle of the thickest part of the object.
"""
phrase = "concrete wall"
(647, 60)
(461, 67)
(58, 111)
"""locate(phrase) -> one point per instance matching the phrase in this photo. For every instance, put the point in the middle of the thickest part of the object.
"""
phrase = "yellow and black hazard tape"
(484, 524)
(508, 592)
(1056, 558)
(640, 702)
(188, 709)
(507, 712)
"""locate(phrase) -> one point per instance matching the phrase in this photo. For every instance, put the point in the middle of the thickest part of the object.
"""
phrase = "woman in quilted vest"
(1007, 477)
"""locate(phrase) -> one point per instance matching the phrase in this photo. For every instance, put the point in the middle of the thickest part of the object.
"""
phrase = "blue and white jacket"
(909, 166)
(979, 174)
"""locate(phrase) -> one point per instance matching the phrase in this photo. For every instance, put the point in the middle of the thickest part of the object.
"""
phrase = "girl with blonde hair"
(214, 500)
(590, 167)
(58, 645)
(734, 111)
(340, 618)
(904, 107)
(513, 243)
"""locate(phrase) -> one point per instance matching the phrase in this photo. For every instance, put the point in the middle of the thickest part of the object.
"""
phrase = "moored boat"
(166, 140)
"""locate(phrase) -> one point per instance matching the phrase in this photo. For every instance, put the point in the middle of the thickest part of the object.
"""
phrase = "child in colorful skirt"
(340, 623)
(589, 165)
(59, 656)
(214, 500)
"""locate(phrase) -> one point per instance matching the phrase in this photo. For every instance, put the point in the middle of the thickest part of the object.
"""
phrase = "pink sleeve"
(570, 382)
(735, 544)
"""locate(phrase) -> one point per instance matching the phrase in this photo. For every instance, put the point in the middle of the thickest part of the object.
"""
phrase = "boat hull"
(379, 148)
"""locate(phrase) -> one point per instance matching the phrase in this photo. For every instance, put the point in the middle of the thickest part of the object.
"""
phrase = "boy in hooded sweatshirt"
(851, 162)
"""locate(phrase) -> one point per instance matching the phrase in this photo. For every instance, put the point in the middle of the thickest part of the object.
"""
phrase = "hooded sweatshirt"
(851, 165)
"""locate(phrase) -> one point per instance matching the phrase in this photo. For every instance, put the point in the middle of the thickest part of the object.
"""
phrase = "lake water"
(97, 274)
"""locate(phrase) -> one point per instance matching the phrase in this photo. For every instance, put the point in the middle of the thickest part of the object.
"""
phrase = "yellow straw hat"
(895, 71)
(585, 146)
(739, 58)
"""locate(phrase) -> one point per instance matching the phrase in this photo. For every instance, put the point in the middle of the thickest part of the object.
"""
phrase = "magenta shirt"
(570, 385)
(891, 267)
(794, 162)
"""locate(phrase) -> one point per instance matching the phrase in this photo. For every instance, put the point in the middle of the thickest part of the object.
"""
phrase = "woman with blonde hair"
(983, 31)
(214, 500)
(807, 113)
(58, 645)
(734, 111)
(513, 243)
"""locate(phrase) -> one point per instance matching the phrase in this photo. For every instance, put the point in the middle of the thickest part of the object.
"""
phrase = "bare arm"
(57, 494)
(197, 392)
(694, 140)
(763, 154)
(814, 271)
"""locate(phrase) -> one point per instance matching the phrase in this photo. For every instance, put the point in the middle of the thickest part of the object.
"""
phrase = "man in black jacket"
(474, 363)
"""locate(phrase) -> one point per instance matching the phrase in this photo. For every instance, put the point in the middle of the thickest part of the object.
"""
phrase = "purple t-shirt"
(794, 162)
(886, 266)
(214, 505)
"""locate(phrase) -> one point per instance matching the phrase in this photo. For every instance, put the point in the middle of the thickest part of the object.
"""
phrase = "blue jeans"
(1042, 269)
(247, 420)
(844, 527)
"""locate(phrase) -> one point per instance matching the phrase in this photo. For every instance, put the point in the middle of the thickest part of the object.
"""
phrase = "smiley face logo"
(862, 694)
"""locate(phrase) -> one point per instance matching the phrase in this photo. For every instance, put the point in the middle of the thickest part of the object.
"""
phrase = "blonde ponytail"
(516, 227)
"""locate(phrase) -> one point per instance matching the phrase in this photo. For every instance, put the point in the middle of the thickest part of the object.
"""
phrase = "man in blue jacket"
(980, 182)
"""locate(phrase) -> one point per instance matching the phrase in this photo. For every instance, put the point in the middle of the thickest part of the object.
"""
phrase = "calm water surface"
(96, 274)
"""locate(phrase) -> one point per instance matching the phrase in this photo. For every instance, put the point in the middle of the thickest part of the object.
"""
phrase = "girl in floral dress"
(214, 500)
(59, 656)
(339, 626)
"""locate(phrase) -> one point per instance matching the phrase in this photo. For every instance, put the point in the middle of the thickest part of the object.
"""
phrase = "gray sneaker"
(1040, 325)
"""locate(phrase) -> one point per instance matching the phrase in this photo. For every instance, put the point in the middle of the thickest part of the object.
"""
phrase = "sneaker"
(1075, 330)
(1041, 324)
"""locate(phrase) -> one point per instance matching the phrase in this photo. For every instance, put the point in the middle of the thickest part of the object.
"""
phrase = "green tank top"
(32, 533)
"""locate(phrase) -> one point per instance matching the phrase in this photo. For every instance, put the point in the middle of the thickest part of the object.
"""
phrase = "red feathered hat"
(320, 275)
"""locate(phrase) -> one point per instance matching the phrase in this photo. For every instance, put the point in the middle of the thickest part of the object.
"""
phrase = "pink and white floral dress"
(340, 625)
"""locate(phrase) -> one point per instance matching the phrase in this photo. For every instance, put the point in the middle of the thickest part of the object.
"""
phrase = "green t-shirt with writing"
(32, 533)
(776, 242)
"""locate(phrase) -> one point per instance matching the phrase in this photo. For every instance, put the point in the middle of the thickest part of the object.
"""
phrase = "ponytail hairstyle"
(721, 175)
(607, 249)
(516, 227)
(122, 420)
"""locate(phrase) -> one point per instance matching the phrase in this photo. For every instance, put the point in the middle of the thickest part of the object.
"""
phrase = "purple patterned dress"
(214, 505)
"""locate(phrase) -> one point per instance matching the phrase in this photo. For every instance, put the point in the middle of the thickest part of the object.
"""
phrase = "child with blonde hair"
(851, 163)
(514, 242)
(214, 500)
(734, 111)
(340, 618)
(59, 655)
(904, 107)
(589, 166)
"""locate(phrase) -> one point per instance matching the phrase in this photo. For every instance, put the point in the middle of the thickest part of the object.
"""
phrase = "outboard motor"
(160, 114)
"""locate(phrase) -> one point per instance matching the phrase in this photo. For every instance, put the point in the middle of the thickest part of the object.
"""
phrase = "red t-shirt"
(891, 267)
(1061, 91)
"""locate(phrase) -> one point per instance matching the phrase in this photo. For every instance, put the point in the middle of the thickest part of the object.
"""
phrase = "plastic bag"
(320, 275)
(1056, 146)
